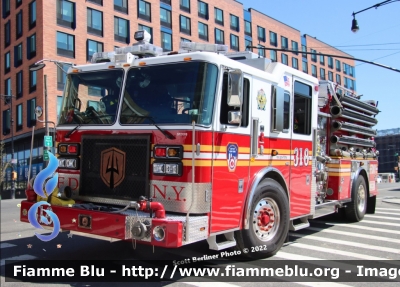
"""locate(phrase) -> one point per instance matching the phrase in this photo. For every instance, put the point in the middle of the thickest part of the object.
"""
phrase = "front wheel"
(357, 208)
(268, 221)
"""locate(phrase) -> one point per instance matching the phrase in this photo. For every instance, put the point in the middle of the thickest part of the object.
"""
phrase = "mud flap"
(371, 203)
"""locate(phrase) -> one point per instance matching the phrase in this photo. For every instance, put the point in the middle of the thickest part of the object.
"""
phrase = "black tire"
(356, 209)
(265, 237)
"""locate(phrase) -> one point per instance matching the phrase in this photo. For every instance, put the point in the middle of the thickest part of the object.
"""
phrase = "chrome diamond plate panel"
(177, 196)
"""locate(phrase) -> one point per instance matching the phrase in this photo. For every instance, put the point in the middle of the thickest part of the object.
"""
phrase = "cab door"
(231, 150)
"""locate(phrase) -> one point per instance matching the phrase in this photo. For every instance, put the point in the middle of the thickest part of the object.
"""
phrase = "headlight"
(158, 167)
(167, 168)
(172, 168)
(70, 163)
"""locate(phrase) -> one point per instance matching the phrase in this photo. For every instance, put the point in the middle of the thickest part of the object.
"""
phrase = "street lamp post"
(354, 23)
(10, 104)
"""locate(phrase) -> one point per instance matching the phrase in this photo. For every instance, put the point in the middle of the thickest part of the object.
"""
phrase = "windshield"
(170, 94)
(91, 98)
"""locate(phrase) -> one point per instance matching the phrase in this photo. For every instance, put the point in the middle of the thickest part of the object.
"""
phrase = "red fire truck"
(168, 149)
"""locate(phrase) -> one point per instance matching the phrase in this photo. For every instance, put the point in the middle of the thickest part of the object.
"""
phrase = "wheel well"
(277, 177)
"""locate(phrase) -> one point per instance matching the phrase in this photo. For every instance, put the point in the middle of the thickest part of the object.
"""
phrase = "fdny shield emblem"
(232, 154)
(112, 170)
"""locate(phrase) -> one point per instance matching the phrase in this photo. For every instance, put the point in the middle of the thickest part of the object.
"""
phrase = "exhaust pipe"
(337, 112)
(352, 141)
(357, 104)
(343, 126)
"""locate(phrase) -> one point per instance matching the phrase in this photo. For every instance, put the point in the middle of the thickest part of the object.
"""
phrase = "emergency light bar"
(192, 46)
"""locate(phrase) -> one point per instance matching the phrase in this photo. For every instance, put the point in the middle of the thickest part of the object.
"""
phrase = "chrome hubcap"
(361, 198)
(266, 219)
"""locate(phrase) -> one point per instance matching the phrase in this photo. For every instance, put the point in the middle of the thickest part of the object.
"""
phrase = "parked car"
(378, 179)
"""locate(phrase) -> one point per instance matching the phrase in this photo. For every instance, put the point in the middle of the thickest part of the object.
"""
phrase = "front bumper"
(118, 226)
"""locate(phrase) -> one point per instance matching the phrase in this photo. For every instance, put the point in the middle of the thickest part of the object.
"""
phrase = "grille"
(136, 178)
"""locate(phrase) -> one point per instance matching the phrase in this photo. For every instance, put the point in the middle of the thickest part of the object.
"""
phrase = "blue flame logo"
(38, 188)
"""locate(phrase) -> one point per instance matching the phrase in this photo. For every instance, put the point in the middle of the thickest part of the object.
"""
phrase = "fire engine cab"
(168, 149)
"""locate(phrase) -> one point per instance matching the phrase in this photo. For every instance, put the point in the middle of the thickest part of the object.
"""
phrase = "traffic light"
(14, 175)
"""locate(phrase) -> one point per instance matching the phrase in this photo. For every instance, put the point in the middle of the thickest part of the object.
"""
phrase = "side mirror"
(234, 117)
(235, 84)
(38, 111)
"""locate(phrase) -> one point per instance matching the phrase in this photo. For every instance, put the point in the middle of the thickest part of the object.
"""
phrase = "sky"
(378, 40)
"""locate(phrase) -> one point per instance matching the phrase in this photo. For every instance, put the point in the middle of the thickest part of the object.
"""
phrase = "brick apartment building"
(71, 31)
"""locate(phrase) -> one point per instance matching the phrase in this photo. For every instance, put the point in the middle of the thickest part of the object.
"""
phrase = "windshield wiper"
(72, 131)
(166, 133)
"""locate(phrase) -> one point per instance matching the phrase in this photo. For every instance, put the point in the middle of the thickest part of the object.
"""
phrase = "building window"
(121, 6)
(322, 60)
(184, 5)
(330, 62)
(234, 42)
(65, 45)
(144, 10)
(261, 51)
(18, 55)
(313, 55)
(247, 28)
(18, 3)
(338, 79)
(166, 41)
(66, 13)
(337, 65)
(351, 71)
(32, 14)
(31, 118)
(166, 2)
(185, 40)
(295, 47)
(7, 89)
(99, 2)
(94, 22)
(165, 18)
(219, 36)
(273, 39)
(261, 34)
(62, 75)
(314, 71)
(32, 81)
(93, 47)
(121, 30)
(7, 62)
(295, 63)
(7, 34)
(31, 47)
(305, 67)
(284, 43)
(203, 10)
(330, 76)
(59, 103)
(6, 122)
(19, 84)
(304, 50)
(273, 56)
(284, 58)
(322, 73)
(203, 31)
(219, 16)
(19, 117)
(18, 24)
(234, 23)
(6, 8)
(185, 26)
(148, 29)
(248, 44)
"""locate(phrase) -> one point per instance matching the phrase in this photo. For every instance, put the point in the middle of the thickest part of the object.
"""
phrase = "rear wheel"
(268, 222)
(357, 208)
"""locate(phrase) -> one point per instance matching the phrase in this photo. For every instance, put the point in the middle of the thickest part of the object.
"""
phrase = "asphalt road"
(377, 237)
